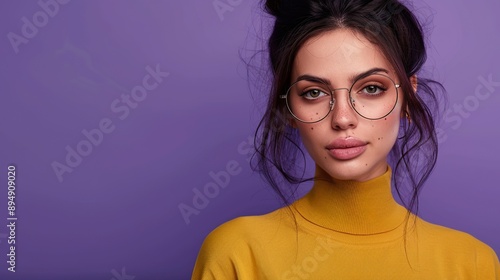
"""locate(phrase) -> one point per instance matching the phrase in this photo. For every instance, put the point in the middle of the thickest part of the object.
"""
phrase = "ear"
(414, 82)
(292, 122)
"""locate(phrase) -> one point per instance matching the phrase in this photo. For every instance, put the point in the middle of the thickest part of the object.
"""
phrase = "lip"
(346, 148)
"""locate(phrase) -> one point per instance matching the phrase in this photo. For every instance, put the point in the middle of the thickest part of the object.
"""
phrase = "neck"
(353, 207)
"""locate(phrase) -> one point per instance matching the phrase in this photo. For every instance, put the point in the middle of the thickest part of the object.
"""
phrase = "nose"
(342, 115)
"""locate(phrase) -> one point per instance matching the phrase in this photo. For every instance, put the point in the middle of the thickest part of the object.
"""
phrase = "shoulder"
(232, 245)
(446, 235)
(249, 229)
(461, 247)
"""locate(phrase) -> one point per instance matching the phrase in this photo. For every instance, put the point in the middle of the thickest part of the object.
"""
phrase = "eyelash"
(378, 87)
(313, 90)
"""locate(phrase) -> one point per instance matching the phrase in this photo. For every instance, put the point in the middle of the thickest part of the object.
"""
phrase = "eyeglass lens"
(372, 97)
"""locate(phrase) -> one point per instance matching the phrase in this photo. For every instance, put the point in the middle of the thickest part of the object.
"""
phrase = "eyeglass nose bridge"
(332, 101)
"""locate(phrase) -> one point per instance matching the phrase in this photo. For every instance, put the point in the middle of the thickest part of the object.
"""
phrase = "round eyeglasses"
(311, 100)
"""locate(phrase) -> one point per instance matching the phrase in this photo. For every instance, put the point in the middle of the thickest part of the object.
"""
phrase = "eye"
(373, 90)
(313, 94)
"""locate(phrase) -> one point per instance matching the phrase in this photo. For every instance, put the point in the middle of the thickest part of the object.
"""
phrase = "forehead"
(338, 55)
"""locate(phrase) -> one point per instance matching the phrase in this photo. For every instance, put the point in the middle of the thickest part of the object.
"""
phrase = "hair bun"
(273, 7)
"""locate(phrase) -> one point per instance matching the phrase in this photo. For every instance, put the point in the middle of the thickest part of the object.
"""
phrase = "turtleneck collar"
(352, 207)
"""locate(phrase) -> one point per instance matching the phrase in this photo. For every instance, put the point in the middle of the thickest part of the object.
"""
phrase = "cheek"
(308, 133)
(387, 129)
(311, 135)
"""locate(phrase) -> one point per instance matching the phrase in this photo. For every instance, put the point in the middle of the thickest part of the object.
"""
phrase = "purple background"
(116, 213)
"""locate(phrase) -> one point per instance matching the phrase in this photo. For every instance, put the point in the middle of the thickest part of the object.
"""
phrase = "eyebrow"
(352, 78)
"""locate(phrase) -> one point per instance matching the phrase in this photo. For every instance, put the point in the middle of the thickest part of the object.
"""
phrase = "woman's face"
(338, 56)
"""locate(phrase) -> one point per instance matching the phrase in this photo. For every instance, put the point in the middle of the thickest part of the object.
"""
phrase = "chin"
(355, 170)
(348, 174)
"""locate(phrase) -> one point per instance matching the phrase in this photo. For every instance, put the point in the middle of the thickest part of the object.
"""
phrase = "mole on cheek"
(312, 128)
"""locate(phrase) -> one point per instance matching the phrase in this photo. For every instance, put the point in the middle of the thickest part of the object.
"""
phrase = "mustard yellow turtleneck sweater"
(344, 230)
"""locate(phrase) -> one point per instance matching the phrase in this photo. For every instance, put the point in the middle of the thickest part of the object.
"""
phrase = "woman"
(345, 83)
